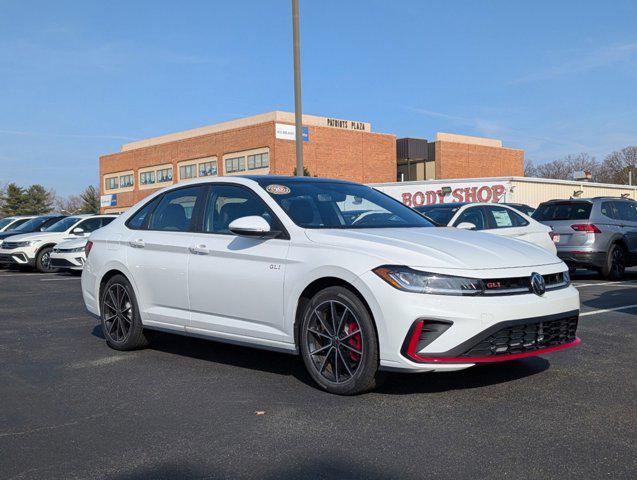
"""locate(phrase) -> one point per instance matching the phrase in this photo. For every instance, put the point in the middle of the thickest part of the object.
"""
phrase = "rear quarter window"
(563, 211)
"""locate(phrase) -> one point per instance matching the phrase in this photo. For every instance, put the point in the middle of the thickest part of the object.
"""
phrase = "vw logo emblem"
(538, 286)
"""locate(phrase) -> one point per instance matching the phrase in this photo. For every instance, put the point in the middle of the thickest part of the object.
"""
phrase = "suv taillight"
(87, 248)
(553, 234)
(586, 227)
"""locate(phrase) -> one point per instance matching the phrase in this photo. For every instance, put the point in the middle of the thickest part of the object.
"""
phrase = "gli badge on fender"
(537, 284)
(277, 189)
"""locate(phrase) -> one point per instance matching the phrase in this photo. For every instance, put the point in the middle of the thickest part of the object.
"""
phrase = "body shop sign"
(425, 193)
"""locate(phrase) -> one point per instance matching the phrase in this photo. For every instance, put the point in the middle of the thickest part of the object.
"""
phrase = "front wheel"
(121, 322)
(43, 261)
(338, 342)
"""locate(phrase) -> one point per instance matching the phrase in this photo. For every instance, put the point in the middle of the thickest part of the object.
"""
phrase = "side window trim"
(284, 235)
(144, 226)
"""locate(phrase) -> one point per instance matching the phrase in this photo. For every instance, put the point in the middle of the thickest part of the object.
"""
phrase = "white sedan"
(491, 218)
(347, 277)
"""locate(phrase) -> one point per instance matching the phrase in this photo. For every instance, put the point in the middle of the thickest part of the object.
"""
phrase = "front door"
(236, 283)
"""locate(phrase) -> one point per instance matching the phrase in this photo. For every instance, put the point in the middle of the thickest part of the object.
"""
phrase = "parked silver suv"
(598, 233)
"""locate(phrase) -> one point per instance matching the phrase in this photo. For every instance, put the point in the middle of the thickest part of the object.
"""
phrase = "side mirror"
(252, 226)
(78, 231)
(466, 226)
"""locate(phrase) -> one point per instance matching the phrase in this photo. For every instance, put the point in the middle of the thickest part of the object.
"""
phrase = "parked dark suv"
(598, 233)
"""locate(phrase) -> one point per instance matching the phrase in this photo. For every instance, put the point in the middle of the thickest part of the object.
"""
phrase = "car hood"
(73, 243)
(440, 248)
(42, 236)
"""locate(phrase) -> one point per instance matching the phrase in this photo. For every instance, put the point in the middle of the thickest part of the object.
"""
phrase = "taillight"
(87, 248)
(586, 227)
(553, 234)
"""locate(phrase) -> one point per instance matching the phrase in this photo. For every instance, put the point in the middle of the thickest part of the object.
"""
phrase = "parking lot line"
(59, 279)
(606, 310)
(24, 274)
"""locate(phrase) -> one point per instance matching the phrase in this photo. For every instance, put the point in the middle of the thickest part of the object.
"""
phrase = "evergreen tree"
(13, 200)
(38, 200)
(90, 200)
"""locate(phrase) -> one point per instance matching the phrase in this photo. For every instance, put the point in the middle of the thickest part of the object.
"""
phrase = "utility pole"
(298, 114)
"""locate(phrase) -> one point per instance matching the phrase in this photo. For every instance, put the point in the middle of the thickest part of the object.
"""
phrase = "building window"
(208, 169)
(112, 183)
(260, 160)
(187, 171)
(165, 175)
(147, 178)
(126, 181)
(235, 164)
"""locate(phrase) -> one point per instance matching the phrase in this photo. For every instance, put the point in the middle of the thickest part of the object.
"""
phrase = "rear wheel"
(615, 265)
(121, 322)
(43, 261)
(338, 342)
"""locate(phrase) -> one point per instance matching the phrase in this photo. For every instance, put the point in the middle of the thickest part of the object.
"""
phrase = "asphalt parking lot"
(186, 408)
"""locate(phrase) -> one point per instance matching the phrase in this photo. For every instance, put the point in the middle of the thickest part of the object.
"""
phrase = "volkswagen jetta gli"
(349, 278)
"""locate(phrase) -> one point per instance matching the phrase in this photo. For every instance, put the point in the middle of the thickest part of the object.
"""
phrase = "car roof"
(442, 205)
(291, 178)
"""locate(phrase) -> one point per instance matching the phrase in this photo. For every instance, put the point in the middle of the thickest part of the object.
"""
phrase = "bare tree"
(564, 168)
(616, 166)
(68, 205)
(530, 169)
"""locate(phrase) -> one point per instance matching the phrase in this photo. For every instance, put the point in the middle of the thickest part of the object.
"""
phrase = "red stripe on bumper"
(494, 358)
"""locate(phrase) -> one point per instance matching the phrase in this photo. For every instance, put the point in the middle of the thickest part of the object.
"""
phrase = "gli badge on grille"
(537, 284)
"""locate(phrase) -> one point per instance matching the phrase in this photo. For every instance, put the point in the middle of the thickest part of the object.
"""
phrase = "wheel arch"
(109, 272)
(321, 283)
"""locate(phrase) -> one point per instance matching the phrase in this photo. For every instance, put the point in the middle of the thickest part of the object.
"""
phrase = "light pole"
(298, 115)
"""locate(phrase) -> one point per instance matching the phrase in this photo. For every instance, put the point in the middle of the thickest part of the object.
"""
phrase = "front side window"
(441, 215)
(229, 202)
(187, 171)
(139, 219)
(90, 225)
(626, 211)
(32, 225)
(208, 169)
(147, 178)
(235, 164)
(325, 204)
(112, 183)
(175, 209)
(63, 225)
(17, 223)
(165, 175)
(500, 217)
(474, 215)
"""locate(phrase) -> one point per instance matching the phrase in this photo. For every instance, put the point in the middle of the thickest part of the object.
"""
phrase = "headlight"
(75, 250)
(410, 280)
(27, 243)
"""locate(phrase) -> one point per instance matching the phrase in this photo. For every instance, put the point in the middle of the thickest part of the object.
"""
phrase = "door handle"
(199, 250)
(139, 243)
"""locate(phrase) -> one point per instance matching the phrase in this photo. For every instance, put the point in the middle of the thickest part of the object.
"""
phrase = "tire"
(43, 261)
(615, 265)
(346, 363)
(121, 322)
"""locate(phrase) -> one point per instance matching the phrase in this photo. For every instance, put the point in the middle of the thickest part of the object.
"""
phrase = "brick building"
(260, 144)
(456, 156)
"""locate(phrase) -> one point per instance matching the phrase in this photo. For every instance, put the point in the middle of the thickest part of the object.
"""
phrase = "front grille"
(526, 337)
(521, 285)
(9, 245)
(4, 258)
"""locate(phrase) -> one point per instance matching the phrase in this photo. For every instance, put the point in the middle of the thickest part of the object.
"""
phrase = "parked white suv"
(9, 223)
(34, 249)
(284, 263)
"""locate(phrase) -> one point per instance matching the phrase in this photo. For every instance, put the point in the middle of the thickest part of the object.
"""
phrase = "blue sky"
(78, 79)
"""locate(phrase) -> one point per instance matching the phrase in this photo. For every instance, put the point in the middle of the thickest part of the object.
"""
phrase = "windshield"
(340, 205)
(31, 225)
(441, 215)
(563, 211)
(63, 225)
(5, 221)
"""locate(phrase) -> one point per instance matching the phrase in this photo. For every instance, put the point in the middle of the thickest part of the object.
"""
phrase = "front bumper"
(469, 319)
(582, 259)
(68, 260)
(16, 257)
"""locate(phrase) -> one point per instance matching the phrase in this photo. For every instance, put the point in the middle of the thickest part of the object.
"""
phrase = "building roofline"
(273, 116)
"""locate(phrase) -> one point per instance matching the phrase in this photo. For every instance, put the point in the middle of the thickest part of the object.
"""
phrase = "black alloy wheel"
(338, 342)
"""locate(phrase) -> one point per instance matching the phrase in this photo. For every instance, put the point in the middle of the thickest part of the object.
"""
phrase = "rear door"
(627, 213)
(157, 255)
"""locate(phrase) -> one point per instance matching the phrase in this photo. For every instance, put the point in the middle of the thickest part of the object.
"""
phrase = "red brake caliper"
(355, 341)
